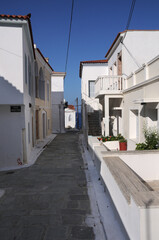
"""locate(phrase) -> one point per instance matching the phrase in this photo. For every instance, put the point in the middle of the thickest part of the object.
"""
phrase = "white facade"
(130, 97)
(57, 98)
(141, 102)
(16, 91)
(128, 53)
(70, 118)
(138, 208)
(136, 48)
(89, 72)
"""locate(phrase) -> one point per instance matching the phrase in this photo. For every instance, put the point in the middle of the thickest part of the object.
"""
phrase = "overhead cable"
(129, 18)
(68, 46)
(130, 14)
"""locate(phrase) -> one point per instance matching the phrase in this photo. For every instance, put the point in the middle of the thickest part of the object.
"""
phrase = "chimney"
(47, 59)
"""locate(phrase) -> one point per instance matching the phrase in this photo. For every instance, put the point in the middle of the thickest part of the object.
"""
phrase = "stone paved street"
(47, 201)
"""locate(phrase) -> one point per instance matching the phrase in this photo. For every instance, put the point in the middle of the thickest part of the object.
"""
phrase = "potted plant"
(123, 144)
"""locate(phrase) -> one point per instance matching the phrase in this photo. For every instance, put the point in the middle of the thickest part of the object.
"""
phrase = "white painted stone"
(70, 118)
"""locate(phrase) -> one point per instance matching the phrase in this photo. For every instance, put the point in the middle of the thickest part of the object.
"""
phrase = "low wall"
(145, 164)
(143, 206)
(112, 145)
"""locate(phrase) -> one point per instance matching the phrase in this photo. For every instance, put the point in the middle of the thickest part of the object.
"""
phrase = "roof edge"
(129, 30)
(44, 59)
(90, 62)
(60, 74)
(22, 17)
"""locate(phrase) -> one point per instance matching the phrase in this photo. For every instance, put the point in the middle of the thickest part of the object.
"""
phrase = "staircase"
(94, 123)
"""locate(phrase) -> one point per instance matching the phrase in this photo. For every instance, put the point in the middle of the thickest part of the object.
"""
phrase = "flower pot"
(123, 146)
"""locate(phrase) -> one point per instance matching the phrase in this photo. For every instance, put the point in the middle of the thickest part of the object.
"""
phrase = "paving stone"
(72, 219)
(49, 200)
(79, 197)
(43, 220)
(73, 211)
(9, 221)
(56, 233)
(31, 233)
(7, 235)
(84, 204)
(43, 212)
(72, 204)
(82, 232)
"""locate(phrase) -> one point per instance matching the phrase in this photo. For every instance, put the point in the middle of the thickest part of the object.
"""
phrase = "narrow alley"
(49, 200)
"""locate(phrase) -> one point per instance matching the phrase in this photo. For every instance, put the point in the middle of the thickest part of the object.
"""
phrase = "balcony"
(108, 85)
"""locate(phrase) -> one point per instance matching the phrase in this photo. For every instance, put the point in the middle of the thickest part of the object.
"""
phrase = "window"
(29, 76)
(26, 69)
(41, 84)
(91, 89)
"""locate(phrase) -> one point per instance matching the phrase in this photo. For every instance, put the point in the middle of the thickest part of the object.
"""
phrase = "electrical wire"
(129, 18)
(68, 46)
(130, 14)
(10, 52)
(127, 27)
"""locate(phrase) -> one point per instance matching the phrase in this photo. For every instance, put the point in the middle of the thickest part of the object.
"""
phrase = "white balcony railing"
(104, 84)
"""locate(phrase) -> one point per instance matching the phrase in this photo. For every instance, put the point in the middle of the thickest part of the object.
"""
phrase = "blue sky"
(94, 27)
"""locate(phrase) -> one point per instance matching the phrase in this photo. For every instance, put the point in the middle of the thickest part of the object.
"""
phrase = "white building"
(70, 117)
(43, 107)
(130, 99)
(89, 72)
(141, 102)
(129, 51)
(57, 98)
(17, 135)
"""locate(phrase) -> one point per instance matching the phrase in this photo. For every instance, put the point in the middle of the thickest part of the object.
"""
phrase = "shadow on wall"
(9, 94)
(58, 121)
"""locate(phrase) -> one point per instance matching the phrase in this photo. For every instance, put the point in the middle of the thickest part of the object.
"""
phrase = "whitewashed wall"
(11, 125)
(147, 112)
(138, 48)
(70, 118)
(15, 43)
(11, 65)
(29, 99)
(57, 83)
(142, 47)
(140, 222)
(91, 72)
(146, 165)
(57, 98)
(129, 106)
